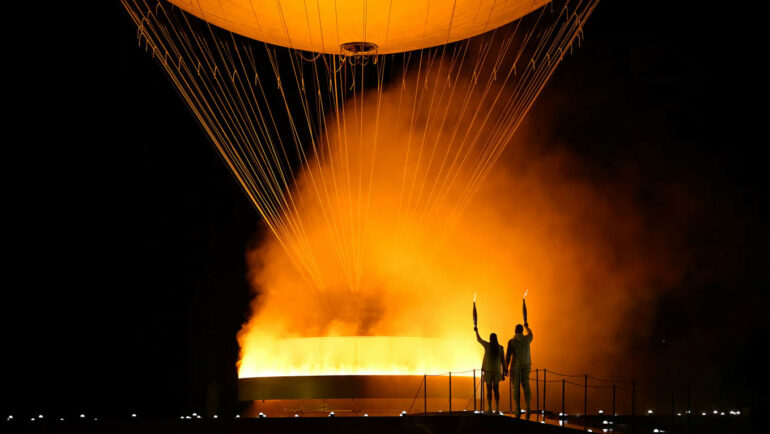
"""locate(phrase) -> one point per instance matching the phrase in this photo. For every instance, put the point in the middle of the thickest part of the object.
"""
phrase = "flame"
(358, 355)
(392, 268)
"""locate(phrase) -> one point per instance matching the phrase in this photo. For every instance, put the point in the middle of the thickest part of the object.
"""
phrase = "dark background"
(125, 234)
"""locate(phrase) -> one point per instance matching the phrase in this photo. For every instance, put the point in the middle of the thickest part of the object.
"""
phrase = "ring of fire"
(358, 355)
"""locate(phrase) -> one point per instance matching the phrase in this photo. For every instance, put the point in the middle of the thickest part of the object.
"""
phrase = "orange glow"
(396, 255)
(357, 355)
(380, 227)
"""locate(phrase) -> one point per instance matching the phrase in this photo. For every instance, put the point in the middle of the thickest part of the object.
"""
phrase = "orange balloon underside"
(393, 25)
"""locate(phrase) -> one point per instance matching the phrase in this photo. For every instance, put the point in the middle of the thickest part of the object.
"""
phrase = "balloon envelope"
(393, 25)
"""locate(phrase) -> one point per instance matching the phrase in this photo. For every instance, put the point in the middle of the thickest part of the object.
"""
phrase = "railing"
(543, 379)
(575, 400)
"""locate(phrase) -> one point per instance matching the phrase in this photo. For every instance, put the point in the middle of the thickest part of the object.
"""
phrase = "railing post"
(563, 383)
(585, 403)
(537, 395)
(450, 391)
(633, 405)
(613, 403)
(474, 389)
(481, 388)
(510, 393)
(687, 414)
(425, 391)
(671, 428)
(545, 383)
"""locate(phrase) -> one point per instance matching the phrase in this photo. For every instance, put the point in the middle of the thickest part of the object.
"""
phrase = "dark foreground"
(456, 424)
(453, 424)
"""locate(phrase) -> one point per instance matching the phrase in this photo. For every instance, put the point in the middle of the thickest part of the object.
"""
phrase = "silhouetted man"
(520, 362)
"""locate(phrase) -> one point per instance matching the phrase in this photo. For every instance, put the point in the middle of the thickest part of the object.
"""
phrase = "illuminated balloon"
(394, 26)
(360, 131)
(415, 132)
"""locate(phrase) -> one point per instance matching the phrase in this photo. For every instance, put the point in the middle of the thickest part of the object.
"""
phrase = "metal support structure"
(450, 392)
(383, 391)
(671, 428)
(481, 389)
(633, 405)
(585, 403)
(545, 383)
(537, 395)
(613, 402)
(687, 414)
(425, 392)
(474, 390)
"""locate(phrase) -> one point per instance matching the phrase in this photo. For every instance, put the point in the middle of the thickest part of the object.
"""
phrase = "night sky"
(125, 233)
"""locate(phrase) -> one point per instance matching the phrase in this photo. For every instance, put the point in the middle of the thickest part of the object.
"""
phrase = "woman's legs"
(489, 395)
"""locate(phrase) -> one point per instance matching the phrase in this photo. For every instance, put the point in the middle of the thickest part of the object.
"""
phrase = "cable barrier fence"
(572, 400)
(554, 397)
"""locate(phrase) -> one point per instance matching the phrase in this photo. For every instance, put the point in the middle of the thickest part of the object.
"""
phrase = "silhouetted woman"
(492, 367)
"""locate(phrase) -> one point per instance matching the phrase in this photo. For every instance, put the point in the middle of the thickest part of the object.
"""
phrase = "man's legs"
(515, 378)
(525, 386)
(496, 385)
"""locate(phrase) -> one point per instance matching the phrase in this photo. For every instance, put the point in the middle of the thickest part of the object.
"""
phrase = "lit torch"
(524, 305)
(475, 316)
